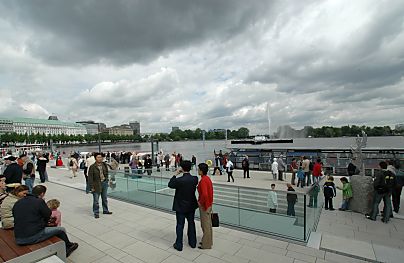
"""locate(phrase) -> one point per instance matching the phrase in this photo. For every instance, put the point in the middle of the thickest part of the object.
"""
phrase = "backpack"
(386, 183)
(231, 168)
(29, 168)
(71, 162)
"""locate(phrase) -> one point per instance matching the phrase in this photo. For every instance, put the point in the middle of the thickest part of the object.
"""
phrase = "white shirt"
(272, 200)
(90, 161)
(274, 167)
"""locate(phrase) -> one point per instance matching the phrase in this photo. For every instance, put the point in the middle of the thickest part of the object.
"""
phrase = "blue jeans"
(180, 229)
(46, 233)
(345, 204)
(29, 182)
(387, 209)
(291, 209)
(96, 197)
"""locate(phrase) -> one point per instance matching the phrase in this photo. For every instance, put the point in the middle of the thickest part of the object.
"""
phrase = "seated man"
(31, 215)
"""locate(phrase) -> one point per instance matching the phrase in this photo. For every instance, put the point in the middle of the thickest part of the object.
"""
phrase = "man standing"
(383, 185)
(185, 203)
(28, 172)
(148, 165)
(13, 172)
(281, 168)
(205, 201)
(31, 215)
(245, 164)
(41, 166)
(98, 183)
(218, 163)
(293, 168)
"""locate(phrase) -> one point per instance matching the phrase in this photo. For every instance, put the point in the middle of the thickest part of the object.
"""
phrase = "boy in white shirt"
(272, 200)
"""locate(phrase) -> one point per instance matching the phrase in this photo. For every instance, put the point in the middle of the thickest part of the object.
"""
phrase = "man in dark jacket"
(185, 203)
(31, 215)
(98, 184)
(13, 172)
(383, 185)
(148, 165)
(245, 164)
(41, 166)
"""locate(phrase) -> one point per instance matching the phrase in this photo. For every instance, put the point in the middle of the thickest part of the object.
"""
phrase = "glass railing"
(241, 207)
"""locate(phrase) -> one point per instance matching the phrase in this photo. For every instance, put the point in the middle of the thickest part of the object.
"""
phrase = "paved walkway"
(138, 234)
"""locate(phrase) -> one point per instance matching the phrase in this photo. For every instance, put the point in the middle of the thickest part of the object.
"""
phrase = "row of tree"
(177, 135)
(329, 131)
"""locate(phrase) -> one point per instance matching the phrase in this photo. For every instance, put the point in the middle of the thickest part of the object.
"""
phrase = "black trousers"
(328, 202)
(246, 172)
(396, 198)
(41, 175)
(230, 175)
(280, 175)
(216, 168)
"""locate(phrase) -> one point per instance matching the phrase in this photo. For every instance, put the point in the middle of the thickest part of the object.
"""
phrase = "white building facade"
(40, 126)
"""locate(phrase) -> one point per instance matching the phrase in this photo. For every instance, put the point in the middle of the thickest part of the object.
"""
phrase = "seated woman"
(6, 208)
(3, 193)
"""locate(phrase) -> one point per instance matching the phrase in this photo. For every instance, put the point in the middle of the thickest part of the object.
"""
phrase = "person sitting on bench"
(31, 215)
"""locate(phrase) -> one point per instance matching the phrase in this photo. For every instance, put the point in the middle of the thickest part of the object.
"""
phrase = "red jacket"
(317, 169)
(205, 191)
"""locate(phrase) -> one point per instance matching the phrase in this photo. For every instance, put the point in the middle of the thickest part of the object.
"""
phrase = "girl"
(53, 205)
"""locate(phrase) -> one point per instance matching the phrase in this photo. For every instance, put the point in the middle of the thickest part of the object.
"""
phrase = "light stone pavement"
(138, 234)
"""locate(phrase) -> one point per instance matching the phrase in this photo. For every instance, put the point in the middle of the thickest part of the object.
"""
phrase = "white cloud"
(315, 62)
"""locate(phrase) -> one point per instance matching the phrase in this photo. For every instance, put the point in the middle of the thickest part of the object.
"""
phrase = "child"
(272, 200)
(329, 193)
(300, 177)
(346, 193)
(313, 195)
(292, 200)
(54, 204)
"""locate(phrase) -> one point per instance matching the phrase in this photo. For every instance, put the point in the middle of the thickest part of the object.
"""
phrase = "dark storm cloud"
(126, 31)
(371, 57)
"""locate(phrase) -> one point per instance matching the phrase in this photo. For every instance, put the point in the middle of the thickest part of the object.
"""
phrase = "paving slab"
(388, 254)
(348, 246)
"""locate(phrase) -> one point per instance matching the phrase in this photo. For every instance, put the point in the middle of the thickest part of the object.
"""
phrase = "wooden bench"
(11, 252)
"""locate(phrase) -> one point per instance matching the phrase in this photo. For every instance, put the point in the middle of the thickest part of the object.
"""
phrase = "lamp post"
(99, 139)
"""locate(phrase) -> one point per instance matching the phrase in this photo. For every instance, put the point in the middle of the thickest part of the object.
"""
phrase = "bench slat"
(6, 252)
(19, 250)
(10, 250)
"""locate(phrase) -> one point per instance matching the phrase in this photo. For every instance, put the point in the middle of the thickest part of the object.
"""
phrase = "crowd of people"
(21, 199)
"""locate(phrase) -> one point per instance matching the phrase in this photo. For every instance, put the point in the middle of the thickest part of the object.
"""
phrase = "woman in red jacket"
(317, 170)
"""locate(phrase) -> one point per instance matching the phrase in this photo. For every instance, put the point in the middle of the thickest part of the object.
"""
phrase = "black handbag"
(215, 219)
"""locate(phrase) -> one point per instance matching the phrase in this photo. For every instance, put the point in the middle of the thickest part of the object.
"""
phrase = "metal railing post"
(238, 206)
(304, 218)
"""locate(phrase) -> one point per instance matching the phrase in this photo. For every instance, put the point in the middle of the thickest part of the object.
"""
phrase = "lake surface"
(202, 150)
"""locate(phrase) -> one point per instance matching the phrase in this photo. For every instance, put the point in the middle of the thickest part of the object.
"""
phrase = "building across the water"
(40, 126)
(135, 125)
(91, 127)
(120, 130)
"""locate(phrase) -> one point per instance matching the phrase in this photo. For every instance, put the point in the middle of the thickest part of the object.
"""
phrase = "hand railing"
(241, 207)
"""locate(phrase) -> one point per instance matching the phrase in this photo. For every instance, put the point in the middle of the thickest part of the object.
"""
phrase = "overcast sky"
(207, 64)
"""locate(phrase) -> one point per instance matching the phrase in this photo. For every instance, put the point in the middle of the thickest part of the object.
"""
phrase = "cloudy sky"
(207, 64)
